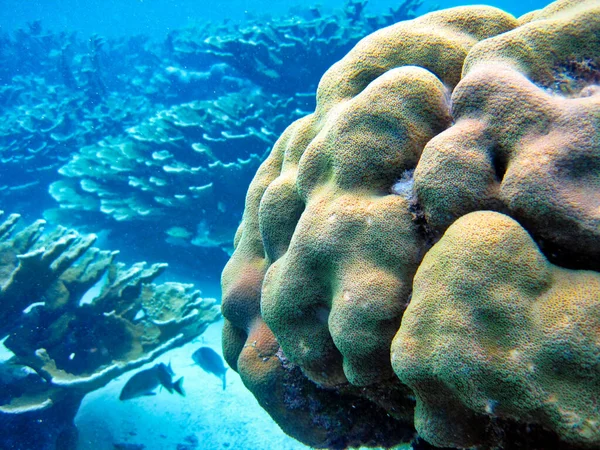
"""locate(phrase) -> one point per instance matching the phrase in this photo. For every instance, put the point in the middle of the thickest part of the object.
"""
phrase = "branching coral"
(72, 342)
(68, 98)
(47, 124)
(181, 169)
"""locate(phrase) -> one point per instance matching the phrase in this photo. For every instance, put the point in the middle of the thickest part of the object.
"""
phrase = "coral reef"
(62, 93)
(421, 124)
(46, 124)
(288, 55)
(66, 342)
(180, 171)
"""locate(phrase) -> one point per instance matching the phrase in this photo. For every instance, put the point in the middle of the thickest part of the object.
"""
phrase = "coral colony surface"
(422, 253)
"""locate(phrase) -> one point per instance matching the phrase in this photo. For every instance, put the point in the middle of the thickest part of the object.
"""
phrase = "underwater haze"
(260, 225)
(158, 17)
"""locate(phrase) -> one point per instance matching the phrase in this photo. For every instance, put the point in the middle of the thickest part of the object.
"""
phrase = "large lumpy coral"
(503, 333)
(518, 147)
(419, 125)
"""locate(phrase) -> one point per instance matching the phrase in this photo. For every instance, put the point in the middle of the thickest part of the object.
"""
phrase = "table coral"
(178, 171)
(420, 124)
(288, 54)
(65, 343)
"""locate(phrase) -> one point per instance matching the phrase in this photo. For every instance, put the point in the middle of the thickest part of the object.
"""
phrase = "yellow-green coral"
(516, 145)
(495, 330)
(346, 274)
(333, 231)
(326, 252)
(327, 183)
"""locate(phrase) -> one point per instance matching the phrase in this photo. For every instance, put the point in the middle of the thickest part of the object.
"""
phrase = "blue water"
(158, 17)
(85, 80)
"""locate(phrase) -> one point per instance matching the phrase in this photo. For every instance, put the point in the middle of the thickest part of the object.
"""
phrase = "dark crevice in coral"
(394, 397)
(574, 75)
(499, 164)
(420, 444)
(429, 235)
(509, 435)
(558, 254)
(341, 416)
(564, 257)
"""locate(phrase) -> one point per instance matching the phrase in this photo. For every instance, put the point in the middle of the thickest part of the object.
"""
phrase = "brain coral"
(420, 124)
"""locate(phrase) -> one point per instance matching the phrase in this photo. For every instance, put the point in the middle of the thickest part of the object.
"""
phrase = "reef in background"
(132, 132)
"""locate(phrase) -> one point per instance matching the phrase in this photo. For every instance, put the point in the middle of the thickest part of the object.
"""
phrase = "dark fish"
(146, 381)
(210, 361)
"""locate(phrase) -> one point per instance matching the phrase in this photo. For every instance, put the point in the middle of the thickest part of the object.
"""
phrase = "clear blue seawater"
(157, 17)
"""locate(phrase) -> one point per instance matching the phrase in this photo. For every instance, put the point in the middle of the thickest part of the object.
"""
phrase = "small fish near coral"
(145, 382)
(211, 362)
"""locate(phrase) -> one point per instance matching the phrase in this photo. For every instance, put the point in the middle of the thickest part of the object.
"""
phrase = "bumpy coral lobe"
(325, 254)
(495, 330)
(517, 146)
(347, 270)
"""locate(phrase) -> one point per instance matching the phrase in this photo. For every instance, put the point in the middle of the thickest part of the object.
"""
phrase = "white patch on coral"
(95, 291)
(404, 187)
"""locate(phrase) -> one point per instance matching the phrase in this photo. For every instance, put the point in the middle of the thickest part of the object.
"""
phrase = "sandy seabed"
(206, 418)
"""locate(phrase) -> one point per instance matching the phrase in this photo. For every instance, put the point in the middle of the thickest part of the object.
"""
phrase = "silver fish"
(146, 381)
(211, 362)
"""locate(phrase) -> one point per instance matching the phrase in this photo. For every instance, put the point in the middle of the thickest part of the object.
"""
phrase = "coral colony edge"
(422, 253)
